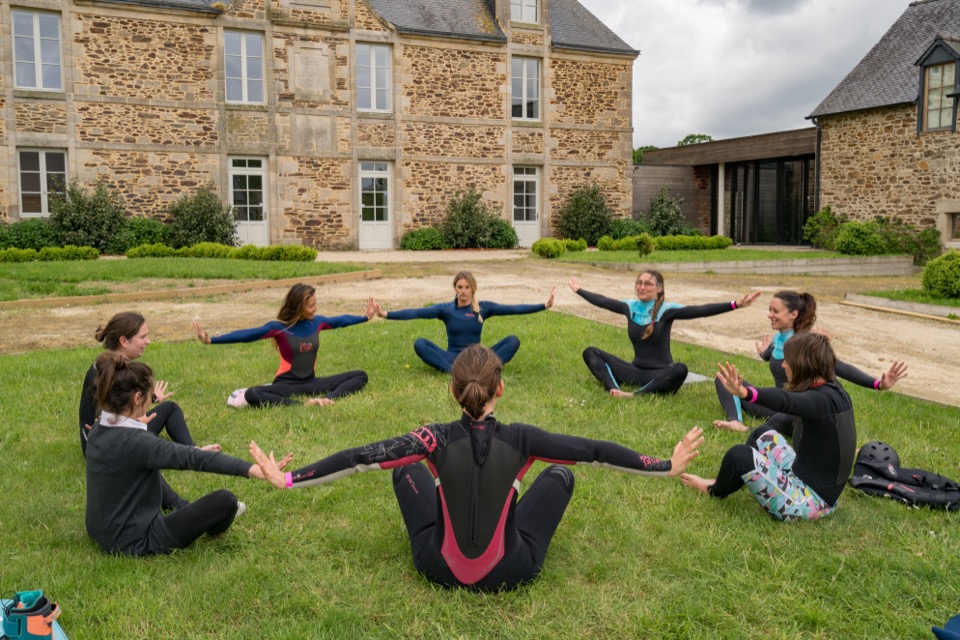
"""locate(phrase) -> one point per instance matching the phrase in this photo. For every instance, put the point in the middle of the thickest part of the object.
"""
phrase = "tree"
(695, 138)
(639, 151)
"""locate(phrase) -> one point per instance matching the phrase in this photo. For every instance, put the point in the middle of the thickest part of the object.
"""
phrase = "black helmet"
(879, 452)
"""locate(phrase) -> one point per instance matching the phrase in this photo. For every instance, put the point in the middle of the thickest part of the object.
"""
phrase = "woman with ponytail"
(124, 485)
(792, 313)
(649, 322)
(466, 525)
(463, 319)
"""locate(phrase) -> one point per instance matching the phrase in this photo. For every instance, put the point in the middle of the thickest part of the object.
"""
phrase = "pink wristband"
(733, 305)
(876, 384)
(289, 478)
(751, 394)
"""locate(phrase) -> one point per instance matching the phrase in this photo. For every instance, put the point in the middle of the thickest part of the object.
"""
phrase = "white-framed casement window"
(42, 174)
(243, 65)
(36, 50)
(525, 88)
(373, 77)
(938, 96)
(524, 10)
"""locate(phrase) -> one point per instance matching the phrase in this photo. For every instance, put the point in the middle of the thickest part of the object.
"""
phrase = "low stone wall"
(873, 266)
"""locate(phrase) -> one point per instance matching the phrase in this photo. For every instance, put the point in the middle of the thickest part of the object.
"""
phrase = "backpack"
(877, 472)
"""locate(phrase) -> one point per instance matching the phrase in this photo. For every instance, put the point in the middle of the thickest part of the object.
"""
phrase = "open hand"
(574, 284)
(685, 451)
(731, 379)
(763, 344)
(896, 372)
(160, 391)
(747, 300)
(549, 302)
(267, 467)
(202, 335)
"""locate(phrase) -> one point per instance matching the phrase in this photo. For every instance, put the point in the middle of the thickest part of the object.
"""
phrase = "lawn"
(96, 277)
(914, 295)
(634, 557)
(711, 255)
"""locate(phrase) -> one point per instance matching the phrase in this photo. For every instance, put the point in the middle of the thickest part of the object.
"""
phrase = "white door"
(526, 215)
(375, 228)
(248, 196)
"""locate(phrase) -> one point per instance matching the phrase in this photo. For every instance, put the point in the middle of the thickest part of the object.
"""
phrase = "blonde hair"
(472, 282)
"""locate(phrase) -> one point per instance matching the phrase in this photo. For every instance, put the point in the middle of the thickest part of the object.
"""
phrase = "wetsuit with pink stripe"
(465, 523)
(298, 345)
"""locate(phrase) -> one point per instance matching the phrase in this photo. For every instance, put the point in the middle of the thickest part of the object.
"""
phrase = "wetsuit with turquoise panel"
(461, 510)
(298, 345)
(463, 329)
(652, 369)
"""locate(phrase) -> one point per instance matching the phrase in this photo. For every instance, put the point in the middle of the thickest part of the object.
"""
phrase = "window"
(374, 192)
(525, 194)
(246, 189)
(525, 88)
(243, 62)
(373, 77)
(42, 173)
(36, 50)
(938, 98)
(524, 10)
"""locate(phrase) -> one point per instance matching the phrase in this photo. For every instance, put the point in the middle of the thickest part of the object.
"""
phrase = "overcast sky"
(730, 68)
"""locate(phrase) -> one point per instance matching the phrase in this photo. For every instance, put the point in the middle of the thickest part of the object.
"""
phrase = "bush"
(664, 217)
(645, 244)
(623, 227)
(14, 254)
(90, 221)
(549, 248)
(425, 239)
(691, 243)
(35, 233)
(605, 243)
(822, 228)
(575, 245)
(146, 231)
(209, 250)
(151, 251)
(903, 238)
(941, 276)
(585, 215)
(471, 225)
(202, 217)
(277, 253)
(69, 252)
(860, 239)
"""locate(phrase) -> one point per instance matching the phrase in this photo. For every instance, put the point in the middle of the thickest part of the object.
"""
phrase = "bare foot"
(210, 447)
(696, 482)
(318, 402)
(730, 425)
(618, 393)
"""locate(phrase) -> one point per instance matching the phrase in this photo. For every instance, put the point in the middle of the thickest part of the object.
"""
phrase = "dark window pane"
(255, 182)
(256, 214)
(56, 162)
(239, 182)
(30, 181)
(30, 161)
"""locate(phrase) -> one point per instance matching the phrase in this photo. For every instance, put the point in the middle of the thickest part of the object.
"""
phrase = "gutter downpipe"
(816, 171)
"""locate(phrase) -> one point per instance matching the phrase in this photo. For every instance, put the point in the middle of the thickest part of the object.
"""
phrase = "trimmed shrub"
(645, 244)
(903, 238)
(605, 243)
(14, 254)
(585, 215)
(35, 233)
(280, 253)
(860, 239)
(146, 231)
(625, 244)
(623, 227)
(941, 276)
(691, 243)
(471, 225)
(151, 251)
(210, 250)
(425, 239)
(821, 228)
(549, 248)
(664, 217)
(202, 217)
(84, 220)
(575, 245)
(69, 252)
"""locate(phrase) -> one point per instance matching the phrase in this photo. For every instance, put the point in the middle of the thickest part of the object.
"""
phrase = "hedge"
(49, 254)
(276, 252)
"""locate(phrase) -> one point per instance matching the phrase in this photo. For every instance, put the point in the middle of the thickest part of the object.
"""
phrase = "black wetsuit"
(653, 369)
(466, 527)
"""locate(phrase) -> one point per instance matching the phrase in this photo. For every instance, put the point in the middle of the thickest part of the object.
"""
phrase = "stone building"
(888, 141)
(329, 123)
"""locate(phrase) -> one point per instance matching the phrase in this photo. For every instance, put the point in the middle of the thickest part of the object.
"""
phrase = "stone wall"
(566, 179)
(591, 93)
(873, 163)
(41, 117)
(527, 140)
(311, 71)
(366, 20)
(247, 129)
(114, 123)
(318, 208)
(452, 83)
(376, 133)
(429, 187)
(453, 141)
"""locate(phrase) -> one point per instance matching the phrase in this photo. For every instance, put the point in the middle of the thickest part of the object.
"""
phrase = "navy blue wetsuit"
(466, 527)
(463, 329)
(298, 344)
(653, 369)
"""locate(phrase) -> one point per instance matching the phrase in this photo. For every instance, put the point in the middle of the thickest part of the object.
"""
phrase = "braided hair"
(659, 303)
(472, 282)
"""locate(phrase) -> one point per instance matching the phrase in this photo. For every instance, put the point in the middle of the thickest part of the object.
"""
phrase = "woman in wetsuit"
(461, 510)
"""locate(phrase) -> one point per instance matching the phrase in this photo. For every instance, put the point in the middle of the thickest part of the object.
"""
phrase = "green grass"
(712, 255)
(914, 295)
(633, 557)
(93, 277)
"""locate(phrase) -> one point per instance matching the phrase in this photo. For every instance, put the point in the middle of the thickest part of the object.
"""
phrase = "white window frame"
(526, 175)
(376, 169)
(943, 92)
(251, 60)
(379, 93)
(529, 82)
(47, 56)
(525, 11)
(44, 192)
(246, 170)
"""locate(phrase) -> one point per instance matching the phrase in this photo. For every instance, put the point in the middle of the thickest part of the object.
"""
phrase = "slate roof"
(573, 27)
(888, 75)
(203, 6)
